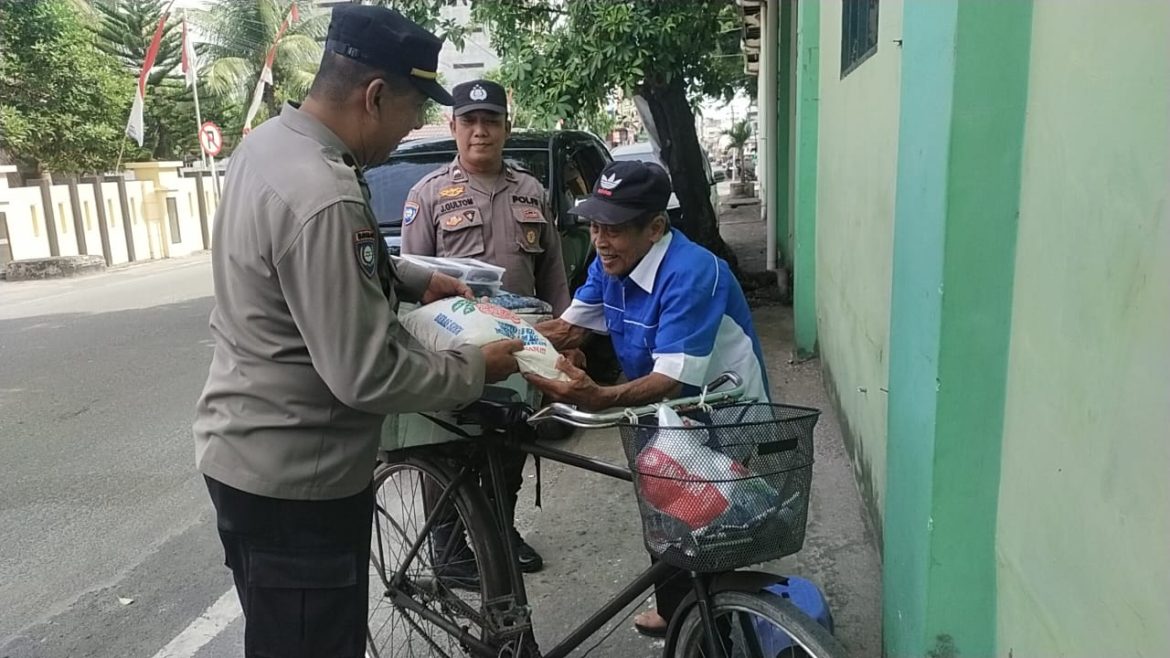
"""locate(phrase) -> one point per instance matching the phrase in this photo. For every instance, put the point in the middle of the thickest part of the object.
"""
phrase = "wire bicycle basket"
(728, 490)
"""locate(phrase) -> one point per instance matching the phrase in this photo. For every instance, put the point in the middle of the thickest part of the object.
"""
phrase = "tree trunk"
(679, 145)
(270, 101)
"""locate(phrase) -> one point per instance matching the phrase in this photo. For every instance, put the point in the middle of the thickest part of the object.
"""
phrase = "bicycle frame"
(658, 571)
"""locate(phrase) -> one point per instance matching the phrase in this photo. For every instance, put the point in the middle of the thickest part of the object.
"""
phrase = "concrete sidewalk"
(840, 552)
(590, 534)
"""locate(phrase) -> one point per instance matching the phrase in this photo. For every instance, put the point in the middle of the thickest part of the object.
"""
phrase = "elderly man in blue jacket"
(676, 315)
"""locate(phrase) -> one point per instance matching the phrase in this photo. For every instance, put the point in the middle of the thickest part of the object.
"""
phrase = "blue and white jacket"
(680, 312)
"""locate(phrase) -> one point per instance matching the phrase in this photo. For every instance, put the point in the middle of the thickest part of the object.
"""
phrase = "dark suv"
(566, 162)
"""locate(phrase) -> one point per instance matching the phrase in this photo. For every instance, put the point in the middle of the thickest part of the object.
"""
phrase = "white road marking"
(205, 627)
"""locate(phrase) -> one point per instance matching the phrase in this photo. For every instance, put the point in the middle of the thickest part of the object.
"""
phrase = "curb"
(735, 202)
(59, 267)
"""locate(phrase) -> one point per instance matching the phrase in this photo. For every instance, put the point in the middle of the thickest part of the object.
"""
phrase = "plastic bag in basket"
(454, 322)
(705, 489)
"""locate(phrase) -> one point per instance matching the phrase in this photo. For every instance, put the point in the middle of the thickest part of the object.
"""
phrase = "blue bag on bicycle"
(805, 596)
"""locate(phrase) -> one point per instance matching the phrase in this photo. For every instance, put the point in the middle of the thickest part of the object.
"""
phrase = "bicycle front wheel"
(446, 584)
(757, 625)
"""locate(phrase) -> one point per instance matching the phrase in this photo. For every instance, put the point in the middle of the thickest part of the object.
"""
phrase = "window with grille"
(859, 33)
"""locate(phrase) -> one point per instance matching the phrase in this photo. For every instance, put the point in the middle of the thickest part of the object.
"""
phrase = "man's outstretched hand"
(579, 390)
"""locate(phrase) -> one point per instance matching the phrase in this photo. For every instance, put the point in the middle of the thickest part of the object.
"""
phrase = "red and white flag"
(135, 128)
(189, 63)
(266, 72)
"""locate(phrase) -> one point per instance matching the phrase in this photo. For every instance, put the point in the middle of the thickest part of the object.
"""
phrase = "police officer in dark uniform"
(309, 357)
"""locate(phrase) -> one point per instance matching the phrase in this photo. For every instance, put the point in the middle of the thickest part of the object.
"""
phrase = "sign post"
(211, 141)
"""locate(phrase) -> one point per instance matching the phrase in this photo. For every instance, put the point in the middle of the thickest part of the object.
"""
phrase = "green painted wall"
(964, 95)
(1084, 518)
(804, 184)
(856, 169)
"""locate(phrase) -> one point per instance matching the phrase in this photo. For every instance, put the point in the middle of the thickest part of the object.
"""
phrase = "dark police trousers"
(301, 571)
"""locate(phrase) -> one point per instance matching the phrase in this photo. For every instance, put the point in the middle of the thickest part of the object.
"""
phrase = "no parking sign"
(211, 138)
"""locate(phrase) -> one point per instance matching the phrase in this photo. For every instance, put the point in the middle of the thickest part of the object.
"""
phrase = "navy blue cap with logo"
(385, 39)
(626, 191)
(479, 95)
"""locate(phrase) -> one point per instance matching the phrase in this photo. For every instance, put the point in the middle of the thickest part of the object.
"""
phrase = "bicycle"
(415, 558)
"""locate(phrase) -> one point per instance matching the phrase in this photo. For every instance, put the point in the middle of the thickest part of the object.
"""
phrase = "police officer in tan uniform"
(309, 357)
(480, 207)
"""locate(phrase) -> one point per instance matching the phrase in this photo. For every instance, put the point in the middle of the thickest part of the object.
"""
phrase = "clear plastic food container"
(478, 275)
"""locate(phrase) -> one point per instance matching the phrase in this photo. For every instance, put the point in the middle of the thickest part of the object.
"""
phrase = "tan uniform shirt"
(309, 356)
(449, 213)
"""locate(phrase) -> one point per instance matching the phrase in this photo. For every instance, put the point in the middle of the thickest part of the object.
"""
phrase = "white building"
(472, 61)
(476, 57)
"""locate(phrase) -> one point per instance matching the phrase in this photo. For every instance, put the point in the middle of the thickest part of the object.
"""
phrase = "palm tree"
(740, 133)
(238, 34)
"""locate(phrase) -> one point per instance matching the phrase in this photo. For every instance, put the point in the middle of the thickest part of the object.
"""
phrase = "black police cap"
(626, 191)
(385, 39)
(479, 95)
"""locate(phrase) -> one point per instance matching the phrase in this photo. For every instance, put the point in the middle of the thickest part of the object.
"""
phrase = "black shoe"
(530, 561)
(454, 562)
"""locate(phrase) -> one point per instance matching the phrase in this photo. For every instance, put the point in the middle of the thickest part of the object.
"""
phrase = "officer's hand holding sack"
(454, 322)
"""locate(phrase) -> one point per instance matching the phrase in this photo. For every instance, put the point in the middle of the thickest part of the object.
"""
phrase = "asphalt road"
(108, 545)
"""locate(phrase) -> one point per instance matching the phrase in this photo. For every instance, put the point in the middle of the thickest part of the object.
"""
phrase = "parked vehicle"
(566, 162)
(644, 152)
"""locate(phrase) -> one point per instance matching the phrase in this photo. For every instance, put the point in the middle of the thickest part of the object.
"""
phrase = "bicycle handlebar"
(570, 415)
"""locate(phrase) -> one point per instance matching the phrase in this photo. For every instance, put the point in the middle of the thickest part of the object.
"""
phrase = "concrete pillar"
(204, 227)
(78, 220)
(5, 246)
(964, 89)
(124, 203)
(103, 227)
(164, 176)
(49, 214)
(804, 193)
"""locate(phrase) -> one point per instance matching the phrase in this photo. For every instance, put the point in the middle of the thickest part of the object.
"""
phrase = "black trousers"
(511, 478)
(668, 594)
(301, 571)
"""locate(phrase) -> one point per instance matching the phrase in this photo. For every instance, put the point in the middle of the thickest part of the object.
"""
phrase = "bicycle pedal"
(508, 618)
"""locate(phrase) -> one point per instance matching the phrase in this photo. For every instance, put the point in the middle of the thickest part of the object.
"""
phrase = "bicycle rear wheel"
(436, 598)
(757, 625)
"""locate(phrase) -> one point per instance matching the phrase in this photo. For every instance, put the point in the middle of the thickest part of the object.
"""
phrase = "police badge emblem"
(409, 212)
(365, 250)
(478, 94)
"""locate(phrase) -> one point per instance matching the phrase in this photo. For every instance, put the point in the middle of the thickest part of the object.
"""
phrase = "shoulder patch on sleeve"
(409, 212)
(365, 251)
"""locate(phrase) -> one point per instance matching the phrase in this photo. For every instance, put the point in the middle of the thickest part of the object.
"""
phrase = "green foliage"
(740, 133)
(124, 30)
(566, 58)
(428, 14)
(239, 34)
(63, 102)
